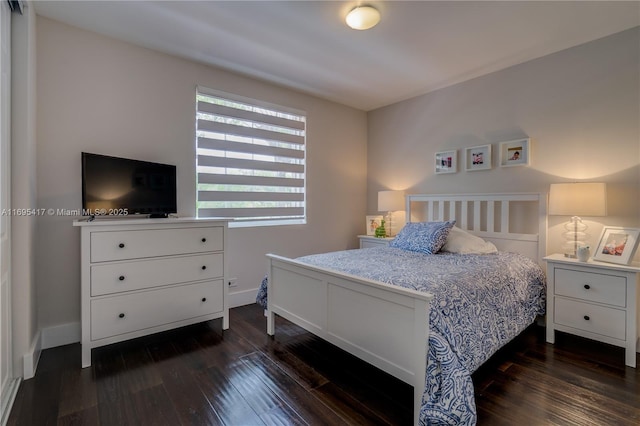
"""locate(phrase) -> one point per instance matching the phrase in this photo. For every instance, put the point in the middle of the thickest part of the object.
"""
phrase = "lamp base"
(575, 236)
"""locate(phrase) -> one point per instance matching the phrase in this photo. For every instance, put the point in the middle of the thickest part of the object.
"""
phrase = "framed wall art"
(477, 158)
(515, 153)
(446, 162)
(617, 245)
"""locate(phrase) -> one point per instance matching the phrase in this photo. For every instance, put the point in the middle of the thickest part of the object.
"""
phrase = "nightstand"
(371, 241)
(596, 300)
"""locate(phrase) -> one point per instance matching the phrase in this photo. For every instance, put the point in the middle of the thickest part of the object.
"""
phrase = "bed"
(429, 319)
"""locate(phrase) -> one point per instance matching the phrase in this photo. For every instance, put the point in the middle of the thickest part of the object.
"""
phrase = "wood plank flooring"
(198, 375)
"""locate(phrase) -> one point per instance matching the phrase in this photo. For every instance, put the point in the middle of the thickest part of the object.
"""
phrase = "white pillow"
(460, 241)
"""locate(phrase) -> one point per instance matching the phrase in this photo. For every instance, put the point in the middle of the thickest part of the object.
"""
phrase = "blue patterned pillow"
(423, 237)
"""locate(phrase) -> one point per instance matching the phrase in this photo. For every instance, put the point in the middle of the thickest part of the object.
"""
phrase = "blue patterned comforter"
(480, 303)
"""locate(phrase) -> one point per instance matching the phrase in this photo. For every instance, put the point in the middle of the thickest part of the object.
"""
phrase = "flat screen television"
(113, 186)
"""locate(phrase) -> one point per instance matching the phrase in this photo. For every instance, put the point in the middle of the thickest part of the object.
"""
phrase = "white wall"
(100, 95)
(580, 107)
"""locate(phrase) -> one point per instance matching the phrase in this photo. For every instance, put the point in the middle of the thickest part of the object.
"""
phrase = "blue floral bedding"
(480, 303)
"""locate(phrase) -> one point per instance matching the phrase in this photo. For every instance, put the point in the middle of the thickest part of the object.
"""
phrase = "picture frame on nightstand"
(372, 223)
(617, 245)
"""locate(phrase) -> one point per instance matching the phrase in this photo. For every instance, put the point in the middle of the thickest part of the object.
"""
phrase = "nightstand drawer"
(367, 241)
(590, 286)
(596, 319)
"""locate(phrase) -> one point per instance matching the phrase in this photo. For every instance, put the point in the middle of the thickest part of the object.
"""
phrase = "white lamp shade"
(390, 201)
(363, 18)
(578, 199)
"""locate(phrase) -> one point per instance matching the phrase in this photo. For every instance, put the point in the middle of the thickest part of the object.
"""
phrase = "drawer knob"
(204, 240)
(121, 277)
(586, 318)
(204, 267)
(587, 286)
(204, 299)
(121, 245)
(121, 316)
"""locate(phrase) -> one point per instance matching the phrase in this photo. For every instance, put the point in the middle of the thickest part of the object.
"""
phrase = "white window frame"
(258, 152)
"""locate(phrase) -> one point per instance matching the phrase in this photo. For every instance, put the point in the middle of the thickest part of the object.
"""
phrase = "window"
(250, 160)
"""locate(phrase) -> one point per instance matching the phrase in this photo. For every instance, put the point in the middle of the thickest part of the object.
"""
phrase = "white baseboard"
(32, 357)
(60, 335)
(9, 392)
(242, 298)
(46, 338)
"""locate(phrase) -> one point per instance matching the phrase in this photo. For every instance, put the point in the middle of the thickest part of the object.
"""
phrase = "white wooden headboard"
(513, 222)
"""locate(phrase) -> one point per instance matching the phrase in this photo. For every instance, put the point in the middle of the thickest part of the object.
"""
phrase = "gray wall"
(580, 107)
(100, 95)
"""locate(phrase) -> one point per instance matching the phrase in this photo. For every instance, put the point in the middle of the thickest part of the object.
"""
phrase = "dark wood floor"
(198, 376)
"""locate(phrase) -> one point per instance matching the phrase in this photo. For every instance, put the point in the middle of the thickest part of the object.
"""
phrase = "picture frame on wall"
(478, 158)
(515, 153)
(373, 222)
(446, 162)
(617, 245)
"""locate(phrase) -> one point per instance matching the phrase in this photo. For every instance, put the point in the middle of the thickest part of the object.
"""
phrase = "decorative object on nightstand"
(595, 300)
(583, 253)
(390, 201)
(617, 245)
(575, 200)
(380, 231)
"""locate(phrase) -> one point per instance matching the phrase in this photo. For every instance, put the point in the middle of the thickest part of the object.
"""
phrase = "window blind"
(250, 160)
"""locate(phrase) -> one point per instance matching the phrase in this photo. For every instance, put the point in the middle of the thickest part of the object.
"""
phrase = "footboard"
(384, 325)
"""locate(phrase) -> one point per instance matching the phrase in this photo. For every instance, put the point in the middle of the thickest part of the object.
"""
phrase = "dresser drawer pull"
(204, 240)
(121, 316)
(586, 318)
(587, 286)
(204, 267)
(204, 299)
(121, 277)
(121, 245)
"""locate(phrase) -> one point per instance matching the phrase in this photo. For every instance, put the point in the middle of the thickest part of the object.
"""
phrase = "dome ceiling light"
(363, 17)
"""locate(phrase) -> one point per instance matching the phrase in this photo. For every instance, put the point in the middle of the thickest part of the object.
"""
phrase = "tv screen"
(121, 186)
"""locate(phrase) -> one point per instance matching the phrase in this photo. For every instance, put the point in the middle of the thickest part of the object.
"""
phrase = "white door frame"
(8, 381)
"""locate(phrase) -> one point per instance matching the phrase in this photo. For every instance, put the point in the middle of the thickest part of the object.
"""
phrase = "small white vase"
(583, 253)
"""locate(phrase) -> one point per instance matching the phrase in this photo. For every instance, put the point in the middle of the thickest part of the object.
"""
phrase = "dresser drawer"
(596, 319)
(112, 316)
(107, 278)
(121, 245)
(594, 287)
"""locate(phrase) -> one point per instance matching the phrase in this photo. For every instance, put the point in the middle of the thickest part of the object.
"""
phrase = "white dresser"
(142, 276)
(592, 299)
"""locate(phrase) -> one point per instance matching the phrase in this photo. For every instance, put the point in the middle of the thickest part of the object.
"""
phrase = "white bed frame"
(385, 325)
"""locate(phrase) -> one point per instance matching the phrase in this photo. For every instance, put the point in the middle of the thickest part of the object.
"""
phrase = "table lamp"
(575, 200)
(390, 201)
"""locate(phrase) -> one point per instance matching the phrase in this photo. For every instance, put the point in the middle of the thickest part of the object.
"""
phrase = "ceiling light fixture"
(363, 17)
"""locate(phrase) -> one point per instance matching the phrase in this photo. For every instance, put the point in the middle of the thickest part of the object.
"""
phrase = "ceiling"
(419, 46)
